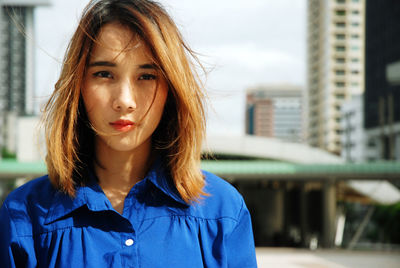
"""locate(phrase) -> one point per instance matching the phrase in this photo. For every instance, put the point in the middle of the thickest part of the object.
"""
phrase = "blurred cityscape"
(318, 164)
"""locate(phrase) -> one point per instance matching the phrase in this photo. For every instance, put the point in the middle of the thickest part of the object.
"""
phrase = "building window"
(340, 24)
(355, 1)
(355, 72)
(354, 84)
(340, 36)
(340, 1)
(355, 36)
(340, 72)
(340, 12)
(371, 143)
(355, 12)
(355, 48)
(340, 84)
(340, 96)
(340, 48)
(355, 60)
(340, 60)
(355, 24)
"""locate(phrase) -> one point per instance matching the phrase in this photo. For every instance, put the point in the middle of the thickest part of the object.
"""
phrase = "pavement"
(302, 258)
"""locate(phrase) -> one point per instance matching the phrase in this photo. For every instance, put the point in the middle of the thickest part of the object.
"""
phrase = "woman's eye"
(147, 77)
(103, 74)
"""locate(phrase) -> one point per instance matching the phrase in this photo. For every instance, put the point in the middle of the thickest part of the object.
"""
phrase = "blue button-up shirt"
(42, 227)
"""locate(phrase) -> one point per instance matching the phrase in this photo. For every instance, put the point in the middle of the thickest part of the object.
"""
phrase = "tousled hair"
(179, 135)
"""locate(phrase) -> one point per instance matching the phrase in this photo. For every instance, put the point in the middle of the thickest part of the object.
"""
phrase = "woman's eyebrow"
(112, 64)
(148, 66)
(102, 63)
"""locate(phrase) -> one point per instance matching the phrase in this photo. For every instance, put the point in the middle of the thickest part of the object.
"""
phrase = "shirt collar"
(90, 195)
(94, 198)
(163, 181)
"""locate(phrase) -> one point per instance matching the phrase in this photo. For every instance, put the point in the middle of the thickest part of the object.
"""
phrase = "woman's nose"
(124, 100)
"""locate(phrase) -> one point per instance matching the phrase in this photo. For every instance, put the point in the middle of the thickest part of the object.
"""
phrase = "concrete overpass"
(269, 172)
(268, 148)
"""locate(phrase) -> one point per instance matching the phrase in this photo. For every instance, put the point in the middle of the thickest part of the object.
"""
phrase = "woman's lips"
(122, 125)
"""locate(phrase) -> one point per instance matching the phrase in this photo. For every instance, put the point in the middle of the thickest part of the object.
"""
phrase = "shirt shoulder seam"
(46, 232)
(165, 216)
(191, 216)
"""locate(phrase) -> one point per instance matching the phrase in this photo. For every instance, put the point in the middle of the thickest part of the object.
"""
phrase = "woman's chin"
(127, 144)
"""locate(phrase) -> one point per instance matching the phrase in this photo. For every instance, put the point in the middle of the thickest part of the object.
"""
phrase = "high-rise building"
(382, 78)
(16, 61)
(353, 138)
(335, 67)
(274, 111)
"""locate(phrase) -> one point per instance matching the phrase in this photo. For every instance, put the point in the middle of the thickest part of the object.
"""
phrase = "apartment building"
(17, 59)
(274, 111)
(335, 67)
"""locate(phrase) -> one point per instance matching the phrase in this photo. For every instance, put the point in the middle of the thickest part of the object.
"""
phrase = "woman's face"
(124, 93)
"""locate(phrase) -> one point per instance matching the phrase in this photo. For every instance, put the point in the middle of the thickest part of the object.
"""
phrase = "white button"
(129, 242)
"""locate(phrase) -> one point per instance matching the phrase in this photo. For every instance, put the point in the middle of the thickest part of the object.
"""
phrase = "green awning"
(13, 169)
(240, 169)
(251, 169)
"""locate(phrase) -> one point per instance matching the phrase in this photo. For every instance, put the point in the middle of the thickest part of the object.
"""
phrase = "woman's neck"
(119, 171)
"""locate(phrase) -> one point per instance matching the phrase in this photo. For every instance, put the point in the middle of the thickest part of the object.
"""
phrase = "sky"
(242, 44)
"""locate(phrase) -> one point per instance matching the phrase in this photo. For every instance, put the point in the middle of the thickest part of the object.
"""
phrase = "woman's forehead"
(116, 41)
(118, 37)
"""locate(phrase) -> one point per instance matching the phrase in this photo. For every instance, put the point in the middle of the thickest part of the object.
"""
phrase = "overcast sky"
(244, 42)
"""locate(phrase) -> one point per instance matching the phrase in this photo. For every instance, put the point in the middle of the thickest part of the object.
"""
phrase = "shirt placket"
(129, 251)
(129, 239)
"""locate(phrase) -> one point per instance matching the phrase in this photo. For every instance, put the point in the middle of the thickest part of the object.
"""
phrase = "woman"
(124, 128)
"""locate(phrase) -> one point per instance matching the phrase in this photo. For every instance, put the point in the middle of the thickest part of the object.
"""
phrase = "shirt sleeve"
(240, 246)
(9, 246)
